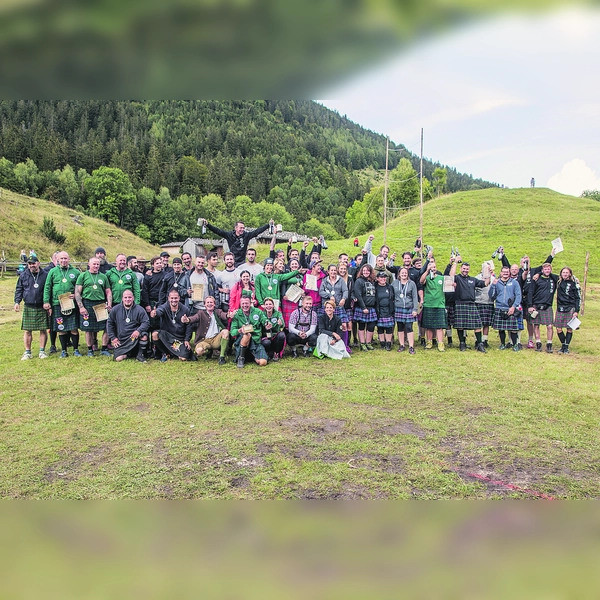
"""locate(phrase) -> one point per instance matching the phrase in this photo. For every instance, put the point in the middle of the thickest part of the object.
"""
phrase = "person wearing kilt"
(485, 308)
(540, 299)
(127, 328)
(273, 336)
(568, 300)
(384, 307)
(30, 290)
(343, 272)
(364, 310)
(61, 280)
(122, 278)
(333, 287)
(174, 334)
(434, 304)
(506, 291)
(467, 315)
(246, 328)
(91, 289)
(287, 306)
(450, 302)
(406, 301)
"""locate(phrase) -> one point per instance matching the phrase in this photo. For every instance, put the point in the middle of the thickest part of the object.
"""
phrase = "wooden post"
(421, 193)
(385, 189)
(585, 272)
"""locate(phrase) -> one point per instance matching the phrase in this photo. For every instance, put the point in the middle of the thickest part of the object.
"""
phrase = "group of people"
(190, 308)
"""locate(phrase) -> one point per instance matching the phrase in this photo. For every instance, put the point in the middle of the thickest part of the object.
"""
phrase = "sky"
(505, 99)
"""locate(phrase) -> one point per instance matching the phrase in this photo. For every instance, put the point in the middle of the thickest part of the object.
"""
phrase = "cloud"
(574, 178)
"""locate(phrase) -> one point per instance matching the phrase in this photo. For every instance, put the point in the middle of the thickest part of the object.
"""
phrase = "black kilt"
(467, 316)
(486, 313)
(174, 346)
(506, 324)
(450, 314)
(91, 323)
(34, 319)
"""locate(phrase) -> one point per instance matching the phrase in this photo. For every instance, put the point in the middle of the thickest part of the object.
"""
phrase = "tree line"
(155, 167)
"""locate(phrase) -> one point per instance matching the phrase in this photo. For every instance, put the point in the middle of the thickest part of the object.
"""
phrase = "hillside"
(523, 220)
(21, 218)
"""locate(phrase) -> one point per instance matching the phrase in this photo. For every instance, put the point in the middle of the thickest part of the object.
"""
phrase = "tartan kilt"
(450, 313)
(510, 324)
(34, 319)
(467, 316)
(64, 323)
(404, 315)
(544, 317)
(92, 323)
(370, 317)
(562, 318)
(486, 313)
(287, 308)
(434, 318)
(340, 311)
(385, 322)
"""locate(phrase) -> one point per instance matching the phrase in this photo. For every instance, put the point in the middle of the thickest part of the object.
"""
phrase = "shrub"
(49, 230)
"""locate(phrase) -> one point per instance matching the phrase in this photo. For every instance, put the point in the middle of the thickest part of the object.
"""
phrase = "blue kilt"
(370, 317)
(404, 315)
(506, 324)
(450, 314)
(466, 316)
(386, 322)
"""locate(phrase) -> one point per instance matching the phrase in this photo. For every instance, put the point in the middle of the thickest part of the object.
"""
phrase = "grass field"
(381, 425)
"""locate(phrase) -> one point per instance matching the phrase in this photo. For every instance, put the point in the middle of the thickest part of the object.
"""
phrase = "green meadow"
(380, 425)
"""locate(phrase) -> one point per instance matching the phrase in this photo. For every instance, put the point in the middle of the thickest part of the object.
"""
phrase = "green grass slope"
(21, 218)
(523, 220)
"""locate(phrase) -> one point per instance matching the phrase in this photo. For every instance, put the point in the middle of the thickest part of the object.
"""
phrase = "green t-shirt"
(93, 286)
(433, 296)
(275, 319)
(121, 281)
(256, 318)
(59, 281)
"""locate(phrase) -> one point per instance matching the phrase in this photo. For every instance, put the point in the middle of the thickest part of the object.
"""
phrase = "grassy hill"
(21, 218)
(523, 220)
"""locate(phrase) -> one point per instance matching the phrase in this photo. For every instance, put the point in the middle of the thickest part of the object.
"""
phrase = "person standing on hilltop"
(239, 238)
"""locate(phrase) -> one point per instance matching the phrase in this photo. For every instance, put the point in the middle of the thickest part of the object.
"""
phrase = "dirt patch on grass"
(348, 491)
(73, 465)
(319, 426)
(142, 407)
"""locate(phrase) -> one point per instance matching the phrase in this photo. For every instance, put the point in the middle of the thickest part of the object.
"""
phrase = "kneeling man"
(173, 336)
(127, 328)
(246, 327)
(211, 333)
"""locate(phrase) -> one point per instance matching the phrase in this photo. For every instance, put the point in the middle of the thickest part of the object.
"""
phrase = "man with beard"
(61, 280)
(227, 279)
(200, 276)
(91, 289)
(303, 328)
(540, 299)
(165, 262)
(239, 238)
(53, 334)
(466, 313)
(105, 266)
(30, 290)
(186, 258)
(211, 332)
(132, 263)
(121, 278)
(506, 291)
(173, 336)
(152, 285)
(176, 279)
(251, 265)
(127, 329)
(246, 328)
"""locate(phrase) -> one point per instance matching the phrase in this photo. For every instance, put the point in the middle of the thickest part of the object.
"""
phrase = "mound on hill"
(523, 220)
(21, 219)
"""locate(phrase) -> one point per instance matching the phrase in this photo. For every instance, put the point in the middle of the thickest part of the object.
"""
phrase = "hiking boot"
(538, 346)
(440, 347)
(240, 362)
(64, 354)
(501, 347)
(388, 346)
(530, 345)
(401, 348)
(549, 347)
(141, 358)
(26, 355)
(164, 358)
(305, 351)
(566, 349)
(429, 345)
(517, 348)
(104, 353)
(275, 357)
(77, 353)
(509, 345)
(90, 353)
(294, 352)
(369, 347)
(221, 360)
(480, 348)
(42, 354)
(423, 342)
(363, 347)
(462, 347)
(485, 344)
(411, 350)
(383, 345)
(53, 350)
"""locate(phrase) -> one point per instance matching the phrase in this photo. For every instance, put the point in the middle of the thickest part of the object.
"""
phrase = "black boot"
(241, 358)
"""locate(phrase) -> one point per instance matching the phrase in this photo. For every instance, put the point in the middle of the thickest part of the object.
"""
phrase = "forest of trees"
(154, 167)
